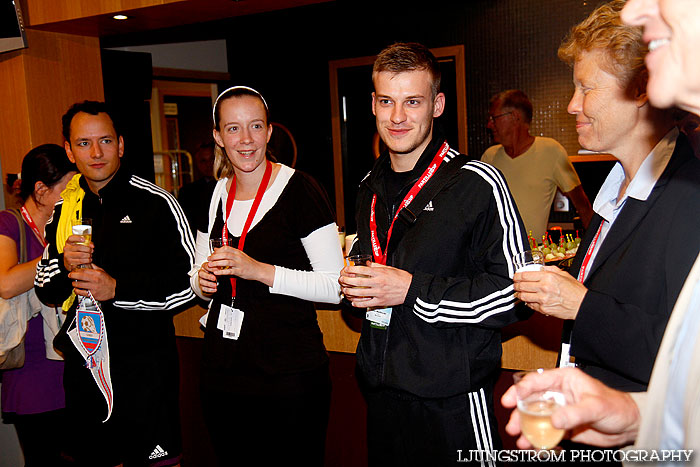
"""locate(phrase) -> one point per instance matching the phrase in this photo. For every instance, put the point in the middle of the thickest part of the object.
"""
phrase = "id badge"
(565, 360)
(230, 321)
(379, 317)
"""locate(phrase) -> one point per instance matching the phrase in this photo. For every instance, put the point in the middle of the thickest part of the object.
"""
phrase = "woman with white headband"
(265, 379)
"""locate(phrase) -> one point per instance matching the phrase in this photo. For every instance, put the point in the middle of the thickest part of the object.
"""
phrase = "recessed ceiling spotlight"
(120, 17)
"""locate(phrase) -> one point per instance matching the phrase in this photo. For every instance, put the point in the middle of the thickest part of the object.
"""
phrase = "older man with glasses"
(534, 167)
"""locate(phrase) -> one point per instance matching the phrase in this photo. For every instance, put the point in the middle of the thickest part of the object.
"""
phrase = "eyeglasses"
(492, 118)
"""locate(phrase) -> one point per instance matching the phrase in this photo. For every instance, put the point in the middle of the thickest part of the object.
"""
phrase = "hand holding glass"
(529, 260)
(536, 411)
(216, 243)
(359, 260)
(83, 227)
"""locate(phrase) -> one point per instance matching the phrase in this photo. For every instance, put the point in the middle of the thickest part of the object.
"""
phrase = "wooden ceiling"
(94, 17)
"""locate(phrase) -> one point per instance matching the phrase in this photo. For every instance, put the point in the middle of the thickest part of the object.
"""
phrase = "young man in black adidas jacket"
(141, 252)
(443, 284)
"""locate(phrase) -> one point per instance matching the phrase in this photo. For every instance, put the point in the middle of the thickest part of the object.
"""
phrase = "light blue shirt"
(609, 207)
(606, 203)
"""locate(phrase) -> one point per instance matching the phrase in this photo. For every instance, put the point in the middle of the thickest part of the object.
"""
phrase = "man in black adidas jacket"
(441, 290)
(141, 252)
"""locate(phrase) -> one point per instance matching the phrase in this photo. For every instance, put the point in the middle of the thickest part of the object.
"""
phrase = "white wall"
(200, 56)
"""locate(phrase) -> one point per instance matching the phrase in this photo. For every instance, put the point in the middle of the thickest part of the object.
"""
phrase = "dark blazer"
(636, 277)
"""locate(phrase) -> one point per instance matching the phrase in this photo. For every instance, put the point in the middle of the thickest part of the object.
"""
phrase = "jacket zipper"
(382, 367)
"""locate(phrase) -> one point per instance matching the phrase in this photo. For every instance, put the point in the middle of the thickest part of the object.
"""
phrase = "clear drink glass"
(359, 260)
(528, 260)
(216, 243)
(536, 411)
(83, 227)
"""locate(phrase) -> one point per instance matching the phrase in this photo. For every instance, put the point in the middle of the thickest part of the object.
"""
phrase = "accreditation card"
(230, 322)
(379, 317)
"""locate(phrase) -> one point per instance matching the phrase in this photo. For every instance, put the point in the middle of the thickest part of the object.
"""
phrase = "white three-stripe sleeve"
(494, 302)
(51, 280)
(185, 242)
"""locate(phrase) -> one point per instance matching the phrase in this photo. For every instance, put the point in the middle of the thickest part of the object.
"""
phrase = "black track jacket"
(445, 338)
(142, 239)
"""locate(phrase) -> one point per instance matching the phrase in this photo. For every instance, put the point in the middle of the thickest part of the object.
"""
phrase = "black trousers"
(42, 437)
(405, 430)
(274, 430)
(144, 428)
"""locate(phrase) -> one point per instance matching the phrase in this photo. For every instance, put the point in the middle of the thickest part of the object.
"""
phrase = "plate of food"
(566, 249)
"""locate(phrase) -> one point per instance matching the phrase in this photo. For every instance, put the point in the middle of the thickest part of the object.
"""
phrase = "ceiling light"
(120, 17)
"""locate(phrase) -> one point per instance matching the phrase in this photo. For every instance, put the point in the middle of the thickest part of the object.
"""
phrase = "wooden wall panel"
(532, 344)
(38, 84)
(52, 11)
(61, 69)
(14, 125)
(187, 322)
(527, 345)
(338, 336)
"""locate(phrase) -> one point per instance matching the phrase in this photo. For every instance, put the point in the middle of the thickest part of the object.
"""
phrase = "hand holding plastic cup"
(359, 260)
(529, 260)
(216, 243)
(536, 411)
(83, 227)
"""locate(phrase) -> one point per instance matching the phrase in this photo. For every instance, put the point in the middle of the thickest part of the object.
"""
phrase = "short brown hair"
(401, 57)
(514, 99)
(622, 44)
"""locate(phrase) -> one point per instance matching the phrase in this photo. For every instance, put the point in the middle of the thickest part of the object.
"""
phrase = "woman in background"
(667, 416)
(265, 378)
(32, 396)
(629, 270)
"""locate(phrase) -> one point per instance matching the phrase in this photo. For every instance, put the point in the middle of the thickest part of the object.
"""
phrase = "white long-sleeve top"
(322, 247)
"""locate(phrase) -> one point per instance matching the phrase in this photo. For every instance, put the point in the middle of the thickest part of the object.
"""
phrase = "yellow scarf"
(72, 209)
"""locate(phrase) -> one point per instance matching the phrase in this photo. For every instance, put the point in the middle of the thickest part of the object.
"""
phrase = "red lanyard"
(28, 219)
(589, 253)
(251, 214)
(379, 256)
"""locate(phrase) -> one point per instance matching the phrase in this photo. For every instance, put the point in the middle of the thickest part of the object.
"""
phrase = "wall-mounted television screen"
(11, 26)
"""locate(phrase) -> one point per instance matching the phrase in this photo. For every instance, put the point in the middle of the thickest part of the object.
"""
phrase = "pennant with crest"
(89, 336)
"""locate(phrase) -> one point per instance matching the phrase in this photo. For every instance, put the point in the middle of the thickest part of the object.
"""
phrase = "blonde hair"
(223, 168)
(622, 45)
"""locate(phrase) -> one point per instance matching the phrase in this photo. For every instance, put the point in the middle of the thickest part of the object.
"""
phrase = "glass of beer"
(536, 411)
(83, 227)
(359, 260)
(528, 260)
